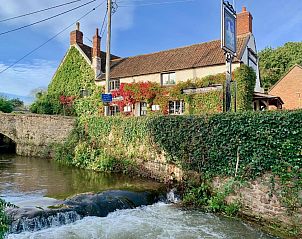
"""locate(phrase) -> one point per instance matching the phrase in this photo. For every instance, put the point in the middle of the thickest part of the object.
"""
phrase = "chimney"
(96, 48)
(76, 36)
(96, 54)
(244, 22)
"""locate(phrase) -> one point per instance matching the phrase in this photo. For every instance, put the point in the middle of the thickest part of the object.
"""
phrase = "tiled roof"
(198, 55)
(88, 52)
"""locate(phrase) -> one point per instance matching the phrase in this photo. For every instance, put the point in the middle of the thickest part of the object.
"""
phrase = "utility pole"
(108, 55)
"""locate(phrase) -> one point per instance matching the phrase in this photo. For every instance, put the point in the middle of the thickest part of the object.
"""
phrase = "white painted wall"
(252, 45)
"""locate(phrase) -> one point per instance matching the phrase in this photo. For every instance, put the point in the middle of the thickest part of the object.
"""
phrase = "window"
(176, 107)
(143, 108)
(114, 84)
(127, 108)
(155, 108)
(168, 78)
(252, 59)
(113, 110)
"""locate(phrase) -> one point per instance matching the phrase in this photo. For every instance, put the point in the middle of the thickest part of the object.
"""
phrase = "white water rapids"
(162, 221)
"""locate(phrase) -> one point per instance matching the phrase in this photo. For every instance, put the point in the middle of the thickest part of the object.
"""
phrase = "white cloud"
(23, 78)
(123, 19)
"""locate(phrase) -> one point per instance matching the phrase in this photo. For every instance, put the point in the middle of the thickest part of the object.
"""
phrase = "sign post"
(229, 45)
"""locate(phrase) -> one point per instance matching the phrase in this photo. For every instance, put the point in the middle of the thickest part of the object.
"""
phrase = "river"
(29, 182)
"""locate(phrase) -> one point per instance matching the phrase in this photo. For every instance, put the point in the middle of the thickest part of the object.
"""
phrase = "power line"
(50, 39)
(103, 24)
(155, 3)
(46, 19)
(38, 11)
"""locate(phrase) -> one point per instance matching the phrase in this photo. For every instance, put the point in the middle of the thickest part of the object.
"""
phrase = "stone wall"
(266, 204)
(35, 134)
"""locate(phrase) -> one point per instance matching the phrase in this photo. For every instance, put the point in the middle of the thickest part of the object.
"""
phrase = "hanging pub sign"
(228, 29)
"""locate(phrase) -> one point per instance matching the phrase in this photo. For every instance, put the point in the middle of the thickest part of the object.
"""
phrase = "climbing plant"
(73, 75)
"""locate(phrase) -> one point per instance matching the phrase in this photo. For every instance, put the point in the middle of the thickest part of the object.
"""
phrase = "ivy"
(72, 75)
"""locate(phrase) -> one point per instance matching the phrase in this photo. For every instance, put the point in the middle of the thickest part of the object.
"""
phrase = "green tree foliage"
(73, 75)
(42, 105)
(6, 106)
(17, 102)
(4, 220)
(274, 63)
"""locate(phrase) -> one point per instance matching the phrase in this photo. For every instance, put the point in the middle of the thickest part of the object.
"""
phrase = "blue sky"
(136, 30)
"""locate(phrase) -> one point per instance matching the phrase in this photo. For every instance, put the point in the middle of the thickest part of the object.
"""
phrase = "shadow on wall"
(7, 145)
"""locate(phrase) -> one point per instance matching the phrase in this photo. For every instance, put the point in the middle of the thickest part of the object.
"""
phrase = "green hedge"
(264, 141)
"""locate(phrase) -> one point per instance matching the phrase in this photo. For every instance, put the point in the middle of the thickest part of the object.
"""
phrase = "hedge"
(263, 141)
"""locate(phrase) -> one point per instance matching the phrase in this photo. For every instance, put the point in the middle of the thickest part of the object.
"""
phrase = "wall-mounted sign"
(107, 98)
(228, 28)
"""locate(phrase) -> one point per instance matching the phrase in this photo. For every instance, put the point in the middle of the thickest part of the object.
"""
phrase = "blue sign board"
(107, 98)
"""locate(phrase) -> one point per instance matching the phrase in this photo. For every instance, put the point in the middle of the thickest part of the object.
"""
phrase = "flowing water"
(32, 183)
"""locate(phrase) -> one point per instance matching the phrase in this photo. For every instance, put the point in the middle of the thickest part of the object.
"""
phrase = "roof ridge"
(177, 48)
(284, 75)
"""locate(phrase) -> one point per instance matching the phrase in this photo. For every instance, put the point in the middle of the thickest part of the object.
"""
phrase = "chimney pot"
(78, 26)
(244, 9)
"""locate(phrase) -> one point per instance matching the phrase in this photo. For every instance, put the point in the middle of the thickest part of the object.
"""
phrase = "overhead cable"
(46, 19)
(38, 11)
(50, 39)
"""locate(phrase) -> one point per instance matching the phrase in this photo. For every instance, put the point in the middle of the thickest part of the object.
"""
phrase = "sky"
(138, 27)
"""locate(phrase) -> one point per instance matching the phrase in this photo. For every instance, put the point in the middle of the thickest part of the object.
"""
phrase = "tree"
(17, 102)
(274, 63)
(6, 106)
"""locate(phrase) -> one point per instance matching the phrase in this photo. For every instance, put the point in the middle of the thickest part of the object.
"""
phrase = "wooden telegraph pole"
(108, 55)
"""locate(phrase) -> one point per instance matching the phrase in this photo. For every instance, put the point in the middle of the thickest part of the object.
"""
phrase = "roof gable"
(194, 56)
(296, 66)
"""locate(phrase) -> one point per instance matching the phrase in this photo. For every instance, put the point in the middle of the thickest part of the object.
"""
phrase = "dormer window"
(114, 85)
(168, 79)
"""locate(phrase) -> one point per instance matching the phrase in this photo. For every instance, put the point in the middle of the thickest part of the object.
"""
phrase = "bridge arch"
(7, 143)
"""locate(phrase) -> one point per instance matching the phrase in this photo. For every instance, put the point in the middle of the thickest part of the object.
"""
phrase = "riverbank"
(248, 145)
(48, 183)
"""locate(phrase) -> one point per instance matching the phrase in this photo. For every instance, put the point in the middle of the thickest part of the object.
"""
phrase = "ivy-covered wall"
(255, 143)
(73, 75)
(195, 104)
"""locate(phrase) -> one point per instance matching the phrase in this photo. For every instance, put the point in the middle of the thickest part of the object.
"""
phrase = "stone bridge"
(35, 134)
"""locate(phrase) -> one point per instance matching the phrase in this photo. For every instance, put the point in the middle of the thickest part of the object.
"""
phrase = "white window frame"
(128, 108)
(114, 84)
(155, 108)
(113, 110)
(175, 111)
(169, 74)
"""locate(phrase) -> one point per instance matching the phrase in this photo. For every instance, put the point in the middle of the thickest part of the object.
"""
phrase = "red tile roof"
(88, 52)
(198, 55)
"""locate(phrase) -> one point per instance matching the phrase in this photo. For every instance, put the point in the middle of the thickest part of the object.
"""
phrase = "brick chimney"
(244, 22)
(96, 54)
(76, 36)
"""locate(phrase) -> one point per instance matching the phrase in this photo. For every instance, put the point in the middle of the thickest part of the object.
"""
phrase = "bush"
(6, 106)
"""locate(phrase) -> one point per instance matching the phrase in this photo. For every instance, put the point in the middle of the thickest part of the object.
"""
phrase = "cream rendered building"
(171, 66)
